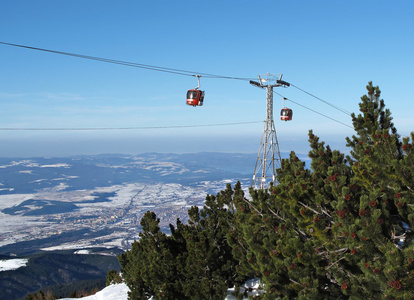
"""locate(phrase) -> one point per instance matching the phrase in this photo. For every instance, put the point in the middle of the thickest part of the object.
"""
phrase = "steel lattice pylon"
(268, 159)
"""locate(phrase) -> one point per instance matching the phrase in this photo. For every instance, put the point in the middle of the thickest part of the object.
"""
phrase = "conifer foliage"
(194, 262)
(342, 229)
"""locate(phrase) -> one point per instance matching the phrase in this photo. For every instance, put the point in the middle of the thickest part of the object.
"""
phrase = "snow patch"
(37, 180)
(201, 171)
(111, 292)
(26, 163)
(26, 172)
(82, 252)
(120, 292)
(252, 287)
(12, 264)
(11, 200)
(61, 165)
(180, 203)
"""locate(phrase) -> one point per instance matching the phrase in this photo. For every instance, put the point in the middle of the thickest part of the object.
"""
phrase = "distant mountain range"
(84, 172)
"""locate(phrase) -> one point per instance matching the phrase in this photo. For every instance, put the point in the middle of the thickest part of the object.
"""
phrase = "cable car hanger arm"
(198, 78)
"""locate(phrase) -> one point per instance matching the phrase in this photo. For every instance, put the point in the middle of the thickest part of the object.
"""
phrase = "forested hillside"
(61, 272)
(339, 230)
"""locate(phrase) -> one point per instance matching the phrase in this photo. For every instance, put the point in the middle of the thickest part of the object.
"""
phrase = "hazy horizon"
(63, 146)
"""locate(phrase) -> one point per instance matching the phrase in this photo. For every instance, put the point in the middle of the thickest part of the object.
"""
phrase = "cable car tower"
(268, 158)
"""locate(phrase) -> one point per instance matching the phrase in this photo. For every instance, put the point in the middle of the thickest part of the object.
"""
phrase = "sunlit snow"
(60, 165)
(111, 292)
(12, 264)
(120, 292)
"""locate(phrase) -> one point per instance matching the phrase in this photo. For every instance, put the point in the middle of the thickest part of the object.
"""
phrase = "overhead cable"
(166, 70)
(326, 102)
(126, 63)
(161, 69)
(123, 128)
(317, 112)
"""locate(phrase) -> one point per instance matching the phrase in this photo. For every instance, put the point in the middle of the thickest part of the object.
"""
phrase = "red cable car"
(195, 97)
(286, 114)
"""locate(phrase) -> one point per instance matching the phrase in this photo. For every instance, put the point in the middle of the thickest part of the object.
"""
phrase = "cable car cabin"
(195, 97)
(286, 114)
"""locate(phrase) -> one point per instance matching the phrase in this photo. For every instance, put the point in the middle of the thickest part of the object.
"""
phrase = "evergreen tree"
(284, 234)
(382, 165)
(210, 267)
(195, 262)
(113, 277)
(342, 229)
(41, 296)
(152, 266)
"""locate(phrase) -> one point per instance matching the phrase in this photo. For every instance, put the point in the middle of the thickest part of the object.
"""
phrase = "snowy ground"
(120, 292)
(120, 213)
(112, 292)
(12, 264)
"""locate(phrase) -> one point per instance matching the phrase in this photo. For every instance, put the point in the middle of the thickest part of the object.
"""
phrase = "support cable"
(166, 70)
(129, 64)
(125, 128)
(326, 102)
(162, 69)
(323, 115)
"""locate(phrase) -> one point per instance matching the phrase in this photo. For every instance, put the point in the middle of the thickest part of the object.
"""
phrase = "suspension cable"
(125, 128)
(129, 64)
(166, 70)
(313, 110)
(326, 102)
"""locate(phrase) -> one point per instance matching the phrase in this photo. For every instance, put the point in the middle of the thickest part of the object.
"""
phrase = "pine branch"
(343, 257)
(306, 206)
(295, 282)
(335, 251)
(251, 205)
(276, 215)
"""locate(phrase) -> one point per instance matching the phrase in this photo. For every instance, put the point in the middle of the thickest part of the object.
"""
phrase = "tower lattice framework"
(268, 158)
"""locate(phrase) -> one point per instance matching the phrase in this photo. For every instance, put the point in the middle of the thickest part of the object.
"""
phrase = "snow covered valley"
(54, 211)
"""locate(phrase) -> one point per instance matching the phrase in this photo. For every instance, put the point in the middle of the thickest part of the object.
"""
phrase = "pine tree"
(342, 229)
(210, 266)
(194, 262)
(382, 164)
(284, 234)
(152, 266)
(113, 277)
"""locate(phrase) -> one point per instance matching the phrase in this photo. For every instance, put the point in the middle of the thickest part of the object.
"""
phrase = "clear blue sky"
(328, 48)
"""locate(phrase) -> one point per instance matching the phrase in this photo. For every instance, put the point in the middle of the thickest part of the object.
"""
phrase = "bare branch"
(343, 257)
(276, 215)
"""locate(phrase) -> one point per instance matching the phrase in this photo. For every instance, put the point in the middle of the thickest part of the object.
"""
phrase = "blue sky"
(328, 48)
